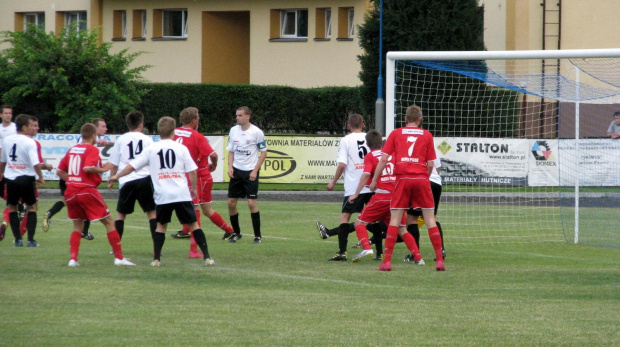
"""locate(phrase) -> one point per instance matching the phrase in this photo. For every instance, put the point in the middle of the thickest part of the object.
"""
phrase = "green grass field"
(284, 292)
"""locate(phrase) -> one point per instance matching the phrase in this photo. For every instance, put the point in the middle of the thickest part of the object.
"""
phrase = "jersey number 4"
(138, 149)
(13, 152)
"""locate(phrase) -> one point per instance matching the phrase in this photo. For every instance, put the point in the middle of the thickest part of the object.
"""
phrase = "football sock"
(31, 224)
(86, 227)
(390, 241)
(440, 234)
(256, 223)
(220, 223)
(410, 242)
(192, 242)
(201, 240)
(14, 221)
(120, 227)
(153, 226)
(23, 226)
(115, 242)
(185, 229)
(198, 217)
(5, 216)
(74, 244)
(362, 236)
(415, 231)
(234, 223)
(158, 244)
(56, 208)
(433, 234)
(343, 236)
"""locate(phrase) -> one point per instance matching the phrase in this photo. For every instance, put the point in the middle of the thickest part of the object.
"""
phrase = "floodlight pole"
(380, 103)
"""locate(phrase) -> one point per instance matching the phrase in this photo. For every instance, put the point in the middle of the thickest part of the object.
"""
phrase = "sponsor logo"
(277, 164)
(543, 154)
(444, 147)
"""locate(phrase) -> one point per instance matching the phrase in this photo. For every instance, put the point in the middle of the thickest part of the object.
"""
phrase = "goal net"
(522, 137)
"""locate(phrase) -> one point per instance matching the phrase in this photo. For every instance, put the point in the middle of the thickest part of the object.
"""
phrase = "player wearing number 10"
(137, 185)
(81, 169)
(169, 162)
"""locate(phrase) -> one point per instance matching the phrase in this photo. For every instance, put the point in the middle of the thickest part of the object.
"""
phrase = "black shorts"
(358, 205)
(63, 186)
(240, 185)
(21, 188)
(140, 190)
(436, 189)
(186, 214)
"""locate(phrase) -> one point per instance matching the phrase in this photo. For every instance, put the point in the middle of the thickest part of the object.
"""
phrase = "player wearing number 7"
(413, 152)
(169, 162)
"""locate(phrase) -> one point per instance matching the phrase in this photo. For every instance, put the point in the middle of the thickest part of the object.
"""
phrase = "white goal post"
(523, 140)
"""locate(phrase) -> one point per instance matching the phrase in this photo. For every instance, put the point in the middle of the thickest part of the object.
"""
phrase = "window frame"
(37, 16)
(82, 23)
(119, 33)
(283, 18)
(351, 23)
(184, 23)
(328, 23)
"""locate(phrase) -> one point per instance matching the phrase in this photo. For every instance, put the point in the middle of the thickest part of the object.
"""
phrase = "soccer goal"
(522, 136)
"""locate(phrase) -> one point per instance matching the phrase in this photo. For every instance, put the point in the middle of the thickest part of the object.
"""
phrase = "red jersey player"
(200, 151)
(414, 152)
(81, 169)
(378, 208)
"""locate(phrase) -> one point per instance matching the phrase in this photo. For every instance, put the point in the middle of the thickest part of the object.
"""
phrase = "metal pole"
(380, 103)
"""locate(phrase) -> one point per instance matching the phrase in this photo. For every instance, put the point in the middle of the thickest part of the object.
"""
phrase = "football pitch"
(284, 292)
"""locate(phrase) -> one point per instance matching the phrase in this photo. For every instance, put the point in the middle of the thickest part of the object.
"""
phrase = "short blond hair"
(413, 114)
(166, 126)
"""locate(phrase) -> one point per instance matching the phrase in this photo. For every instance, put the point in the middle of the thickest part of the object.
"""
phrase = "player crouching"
(81, 169)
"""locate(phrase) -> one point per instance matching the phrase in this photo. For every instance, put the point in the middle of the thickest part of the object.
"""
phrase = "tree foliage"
(421, 25)
(68, 79)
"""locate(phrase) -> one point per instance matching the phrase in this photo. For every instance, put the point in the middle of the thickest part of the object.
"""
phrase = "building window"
(75, 18)
(119, 30)
(351, 23)
(139, 25)
(293, 23)
(323, 24)
(34, 18)
(174, 23)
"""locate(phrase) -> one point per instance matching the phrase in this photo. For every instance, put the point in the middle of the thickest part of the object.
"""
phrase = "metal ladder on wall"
(551, 38)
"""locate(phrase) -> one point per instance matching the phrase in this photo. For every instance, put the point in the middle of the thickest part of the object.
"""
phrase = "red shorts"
(85, 203)
(204, 185)
(412, 192)
(377, 209)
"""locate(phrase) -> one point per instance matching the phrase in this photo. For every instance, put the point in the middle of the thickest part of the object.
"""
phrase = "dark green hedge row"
(276, 109)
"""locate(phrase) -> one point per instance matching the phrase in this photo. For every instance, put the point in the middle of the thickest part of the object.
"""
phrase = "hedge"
(276, 109)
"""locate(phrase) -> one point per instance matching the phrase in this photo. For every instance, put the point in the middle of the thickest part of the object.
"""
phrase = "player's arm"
(380, 166)
(2, 166)
(37, 169)
(113, 170)
(213, 157)
(126, 171)
(360, 186)
(63, 175)
(193, 178)
(339, 170)
(231, 158)
(261, 160)
(429, 166)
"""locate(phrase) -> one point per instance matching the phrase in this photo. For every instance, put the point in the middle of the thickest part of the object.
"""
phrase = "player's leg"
(186, 214)
(74, 242)
(57, 207)
(433, 234)
(205, 187)
(251, 189)
(236, 191)
(409, 241)
(390, 239)
(193, 246)
(163, 217)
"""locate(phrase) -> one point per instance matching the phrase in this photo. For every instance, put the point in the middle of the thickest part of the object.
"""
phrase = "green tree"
(68, 79)
(421, 25)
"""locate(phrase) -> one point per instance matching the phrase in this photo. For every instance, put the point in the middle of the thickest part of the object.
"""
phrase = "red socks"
(433, 234)
(74, 244)
(362, 236)
(220, 223)
(390, 241)
(115, 242)
(410, 242)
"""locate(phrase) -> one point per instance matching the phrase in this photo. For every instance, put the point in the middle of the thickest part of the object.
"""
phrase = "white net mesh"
(513, 168)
